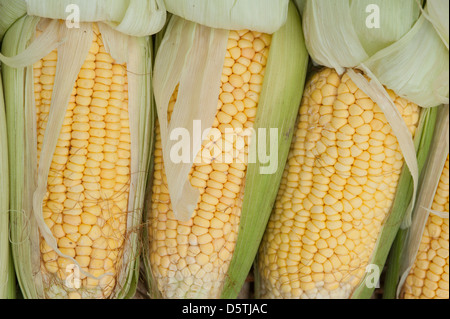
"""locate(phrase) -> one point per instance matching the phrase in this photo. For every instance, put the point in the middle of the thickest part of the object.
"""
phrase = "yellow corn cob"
(190, 259)
(87, 194)
(428, 278)
(336, 191)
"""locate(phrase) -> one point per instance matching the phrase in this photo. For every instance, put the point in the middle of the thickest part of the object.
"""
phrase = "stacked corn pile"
(181, 133)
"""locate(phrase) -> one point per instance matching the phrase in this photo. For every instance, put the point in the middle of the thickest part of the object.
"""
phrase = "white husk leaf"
(116, 43)
(416, 67)
(71, 56)
(337, 47)
(132, 17)
(429, 184)
(192, 56)
(4, 202)
(48, 41)
(437, 12)
(350, 41)
(257, 15)
(364, 13)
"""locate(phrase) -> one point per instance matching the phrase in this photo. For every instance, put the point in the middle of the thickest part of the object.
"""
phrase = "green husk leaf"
(278, 108)
(7, 277)
(422, 143)
(157, 38)
(393, 265)
(300, 5)
(257, 15)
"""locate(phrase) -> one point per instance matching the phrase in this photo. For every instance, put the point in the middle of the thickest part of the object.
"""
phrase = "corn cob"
(207, 255)
(385, 50)
(76, 206)
(428, 278)
(88, 185)
(336, 191)
(190, 259)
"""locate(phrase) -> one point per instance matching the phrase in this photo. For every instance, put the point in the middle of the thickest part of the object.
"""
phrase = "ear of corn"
(428, 278)
(78, 161)
(414, 262)
(210, 254)
(262, 15)
(337, 190)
